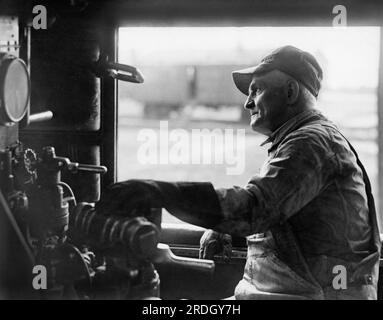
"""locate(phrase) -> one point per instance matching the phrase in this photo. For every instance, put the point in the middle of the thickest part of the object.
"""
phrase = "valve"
(50, 166)
(48, 205)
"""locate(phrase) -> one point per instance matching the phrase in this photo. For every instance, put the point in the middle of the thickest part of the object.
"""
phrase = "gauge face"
(15, 90)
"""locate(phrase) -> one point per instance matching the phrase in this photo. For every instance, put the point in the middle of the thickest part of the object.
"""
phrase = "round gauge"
(14, 90)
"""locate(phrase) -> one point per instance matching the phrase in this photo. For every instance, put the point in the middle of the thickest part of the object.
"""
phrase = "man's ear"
(292, 93)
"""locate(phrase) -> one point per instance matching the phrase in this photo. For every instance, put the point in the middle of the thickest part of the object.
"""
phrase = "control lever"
(74, 167)
(165, 256)
(51, 162)
(49, 166)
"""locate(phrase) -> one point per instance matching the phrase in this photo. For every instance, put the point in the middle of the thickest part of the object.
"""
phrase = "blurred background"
(188, 83)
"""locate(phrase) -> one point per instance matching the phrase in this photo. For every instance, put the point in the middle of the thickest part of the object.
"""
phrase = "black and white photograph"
(191, 154)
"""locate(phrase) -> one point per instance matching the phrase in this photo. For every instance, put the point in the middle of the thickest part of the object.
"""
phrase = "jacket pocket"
(269, 274)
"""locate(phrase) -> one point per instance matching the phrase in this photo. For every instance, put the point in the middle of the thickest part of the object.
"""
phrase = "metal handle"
(105, 68)
(34, 118)
(41, 116)
(166, 256)
(128, 77)
(132, 74)
(75, 167)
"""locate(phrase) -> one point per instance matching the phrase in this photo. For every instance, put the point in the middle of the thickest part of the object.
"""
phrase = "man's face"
(266, 103)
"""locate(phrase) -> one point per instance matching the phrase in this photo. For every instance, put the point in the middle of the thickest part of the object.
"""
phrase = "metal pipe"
(41, 116)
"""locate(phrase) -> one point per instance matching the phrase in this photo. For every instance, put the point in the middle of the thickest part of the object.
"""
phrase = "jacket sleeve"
(299, 170)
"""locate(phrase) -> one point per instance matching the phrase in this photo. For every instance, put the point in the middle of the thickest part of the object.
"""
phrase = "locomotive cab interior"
(62, 134)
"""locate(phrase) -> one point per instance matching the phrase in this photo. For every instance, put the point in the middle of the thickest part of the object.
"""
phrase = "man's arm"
(292, 178)
(193, 202)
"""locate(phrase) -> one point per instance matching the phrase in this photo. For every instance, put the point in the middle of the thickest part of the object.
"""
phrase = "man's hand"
(130, 198)
(213, 243)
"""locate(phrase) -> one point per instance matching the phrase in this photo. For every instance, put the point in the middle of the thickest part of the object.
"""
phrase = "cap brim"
(242, 78)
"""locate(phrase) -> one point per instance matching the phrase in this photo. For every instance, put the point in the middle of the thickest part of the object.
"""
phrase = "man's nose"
(249, 104)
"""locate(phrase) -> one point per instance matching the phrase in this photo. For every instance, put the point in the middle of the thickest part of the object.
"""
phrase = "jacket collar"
(294, 123)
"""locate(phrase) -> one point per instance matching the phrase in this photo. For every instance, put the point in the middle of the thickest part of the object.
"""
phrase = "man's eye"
(255, 91)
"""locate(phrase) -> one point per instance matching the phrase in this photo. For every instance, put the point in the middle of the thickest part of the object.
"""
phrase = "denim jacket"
(305, 215)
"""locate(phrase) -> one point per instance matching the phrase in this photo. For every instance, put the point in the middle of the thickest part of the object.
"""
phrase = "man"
(308, 216)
